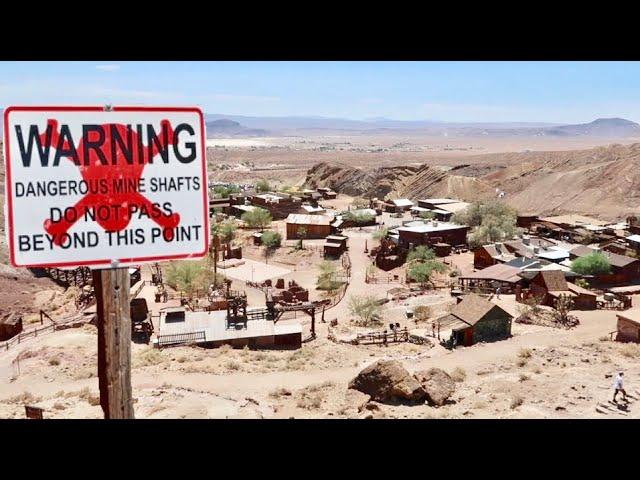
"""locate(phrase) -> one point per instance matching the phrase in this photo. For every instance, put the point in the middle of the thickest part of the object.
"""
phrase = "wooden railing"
(57, 325)
(180, 339)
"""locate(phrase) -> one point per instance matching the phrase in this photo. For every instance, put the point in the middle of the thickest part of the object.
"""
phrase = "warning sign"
(102, 187)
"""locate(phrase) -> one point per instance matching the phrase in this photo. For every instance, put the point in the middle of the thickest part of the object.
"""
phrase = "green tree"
(421, 253)
(492, 221)
(263, 186)
(427, 215)
(359, 218)
(223, 191)
(190, 276)
(366, 308)
(271, 240)
(326, 280)
(257, 218)
(226, 230)
(302, 234)
(422, 272)
(595, 263)
(380, 234)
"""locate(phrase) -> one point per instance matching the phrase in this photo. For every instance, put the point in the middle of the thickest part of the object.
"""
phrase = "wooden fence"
(58, 325)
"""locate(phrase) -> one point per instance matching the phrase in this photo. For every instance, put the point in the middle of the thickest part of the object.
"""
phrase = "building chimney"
(536, 250)
(526, 240)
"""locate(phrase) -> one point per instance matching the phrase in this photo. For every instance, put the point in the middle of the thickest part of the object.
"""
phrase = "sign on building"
(104, 187)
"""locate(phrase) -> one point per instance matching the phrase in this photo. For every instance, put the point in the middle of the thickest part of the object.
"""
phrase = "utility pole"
(114, 342)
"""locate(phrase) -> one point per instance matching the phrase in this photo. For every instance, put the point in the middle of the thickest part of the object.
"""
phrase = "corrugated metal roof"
(499, 272)
(402, 202)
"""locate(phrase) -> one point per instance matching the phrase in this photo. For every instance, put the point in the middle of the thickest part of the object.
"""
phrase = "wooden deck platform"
(214, 330)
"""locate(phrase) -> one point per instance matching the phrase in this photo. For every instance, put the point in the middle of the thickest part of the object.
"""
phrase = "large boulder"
(388, 381)
(437, 384)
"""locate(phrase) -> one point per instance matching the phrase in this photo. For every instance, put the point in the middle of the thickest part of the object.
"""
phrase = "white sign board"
(104, 187)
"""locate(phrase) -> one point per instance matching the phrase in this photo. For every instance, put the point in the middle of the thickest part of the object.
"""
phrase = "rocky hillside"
(604, 181)
(394, 182)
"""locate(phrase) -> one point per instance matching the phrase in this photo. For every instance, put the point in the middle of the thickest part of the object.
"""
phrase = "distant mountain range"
(229, 126)
(237, 125)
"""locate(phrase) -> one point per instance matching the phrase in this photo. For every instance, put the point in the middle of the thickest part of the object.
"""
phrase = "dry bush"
(85, 373)
(280, 392)
(630, 350)
(225, 348)
(523, 377)
(311, 397)
(521, 362)
(525, 353)
(458, 375)
(24, 397)
(604, 338)
(182, 359)
(537, 370)
(148, 357)
(479, 405)
(516, 401)
(233, 365)
(59, 406)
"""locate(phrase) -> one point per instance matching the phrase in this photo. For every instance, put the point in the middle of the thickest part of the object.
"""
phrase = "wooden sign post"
(111, 287)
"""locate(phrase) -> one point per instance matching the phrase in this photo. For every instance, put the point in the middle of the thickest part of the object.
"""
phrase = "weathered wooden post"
(114, 342)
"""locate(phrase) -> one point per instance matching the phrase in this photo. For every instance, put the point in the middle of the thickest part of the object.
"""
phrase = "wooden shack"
(335, 245)
(476, 319)
(489, 279)
(10, 326)
(315, 226)
(628, 326)
(549, 285)
(431, 233)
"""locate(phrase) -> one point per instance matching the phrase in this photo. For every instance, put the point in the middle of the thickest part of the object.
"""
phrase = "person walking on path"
(618, 386)
(498, 293)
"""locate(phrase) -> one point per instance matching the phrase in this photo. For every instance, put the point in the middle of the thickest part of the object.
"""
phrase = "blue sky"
(560, 92)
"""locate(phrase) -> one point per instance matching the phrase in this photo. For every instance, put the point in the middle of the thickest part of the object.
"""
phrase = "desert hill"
(407, 181)
(224, 127)
(603, 181)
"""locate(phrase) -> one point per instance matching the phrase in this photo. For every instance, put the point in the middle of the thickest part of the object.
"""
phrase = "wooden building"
(628, 326)
(335, 245)
(489, 279)
(476, 319)
(315, 226)
(279, 205)
(549, 285)
(10, 326)
(488, 255)
(432, 232)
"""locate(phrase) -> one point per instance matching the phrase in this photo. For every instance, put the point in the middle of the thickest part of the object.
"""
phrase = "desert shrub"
(422, 272)
(630, 350)
(54, 362)
(422, 313)
(358, 218)
(581, 282)
(232, 365)
(380, 234)
(521, 362)
(421, 254)
(280, 392)
(147, 357)
(595, 263)
(327, 277)
(525, 353)
(523, 377)
(263, 185)
(366, 309)
(257, 218)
